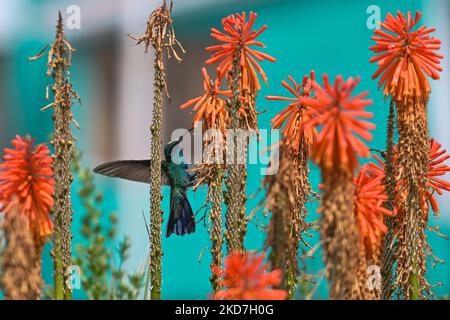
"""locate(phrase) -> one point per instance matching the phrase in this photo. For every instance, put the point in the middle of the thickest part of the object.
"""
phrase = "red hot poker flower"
(368, 206)
(245, 277)
(338, 114)
(436, 169)
(210, 107)
(294, 114)
(404, 56)
(238, 38)
(435, 185)
(27, 176)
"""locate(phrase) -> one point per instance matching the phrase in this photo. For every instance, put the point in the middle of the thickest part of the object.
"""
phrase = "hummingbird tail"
(182, 219)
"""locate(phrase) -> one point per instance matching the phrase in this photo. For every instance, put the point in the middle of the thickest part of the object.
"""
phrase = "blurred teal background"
(114, 79)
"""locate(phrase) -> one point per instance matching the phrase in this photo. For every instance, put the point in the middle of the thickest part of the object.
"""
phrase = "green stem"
(147, 281)
(235, 196)
(58, 277)
(63, 143)
(156, 252)
(216, 229)
(388, 250)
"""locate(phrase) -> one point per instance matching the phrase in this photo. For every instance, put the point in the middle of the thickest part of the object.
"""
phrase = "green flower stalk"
(59, 61)
(236, 180)
(161, 36)
(237, 62)
(213, 176)
(388, 249)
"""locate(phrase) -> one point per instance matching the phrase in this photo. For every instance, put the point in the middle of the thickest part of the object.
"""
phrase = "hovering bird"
(177, 176)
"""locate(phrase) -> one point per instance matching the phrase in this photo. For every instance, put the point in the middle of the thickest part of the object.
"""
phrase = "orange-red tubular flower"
(404, 56)
(239, 38)
(338, 114)
(294, 114)
(210, 107)
(368, 206)
(436, 169)
(26, 175)
(245, 277)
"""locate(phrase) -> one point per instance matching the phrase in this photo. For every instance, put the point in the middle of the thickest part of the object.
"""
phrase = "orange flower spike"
(294, 114)
(26, 174)
(404, 56)
(209, 107)
(246, 277)
(238, 37)
(436, 168)
(368, 206)
(338, 117)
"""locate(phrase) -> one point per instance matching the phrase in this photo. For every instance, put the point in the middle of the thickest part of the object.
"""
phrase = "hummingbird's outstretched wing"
(133, 170)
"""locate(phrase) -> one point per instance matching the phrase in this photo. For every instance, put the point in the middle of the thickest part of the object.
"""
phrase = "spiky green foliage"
(101, 264)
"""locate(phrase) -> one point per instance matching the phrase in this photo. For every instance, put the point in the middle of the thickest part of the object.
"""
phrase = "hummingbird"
(175, 175)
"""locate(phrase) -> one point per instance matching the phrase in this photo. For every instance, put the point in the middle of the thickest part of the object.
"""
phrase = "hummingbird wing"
(133, 170)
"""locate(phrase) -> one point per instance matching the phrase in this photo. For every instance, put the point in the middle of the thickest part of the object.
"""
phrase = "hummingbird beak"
(182, 136)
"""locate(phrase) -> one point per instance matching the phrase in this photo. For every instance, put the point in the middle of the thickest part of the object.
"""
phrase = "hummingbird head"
(168, 148)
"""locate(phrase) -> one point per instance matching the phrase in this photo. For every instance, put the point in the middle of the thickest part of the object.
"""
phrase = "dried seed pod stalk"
(338, 115)
(287, 194)
(159, 34)
(405, 57)
(59, 59)
(213, 176)
(237, 62)
(280, 202)
(21, 279)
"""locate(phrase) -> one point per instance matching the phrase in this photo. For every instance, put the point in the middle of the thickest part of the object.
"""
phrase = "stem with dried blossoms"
(236, 180)
(389, 243)
(213, 175)
(297, 221)
(287, 193)
(406, 57)
(412, 162)
(280, 202)
(338, 232)
(215, 195)
(59, 61)
(161, 36)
